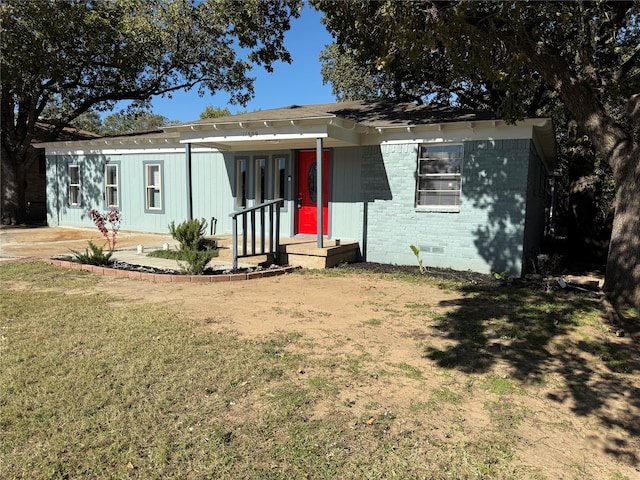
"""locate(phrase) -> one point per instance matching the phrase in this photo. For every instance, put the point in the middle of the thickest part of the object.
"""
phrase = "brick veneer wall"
(486, 234)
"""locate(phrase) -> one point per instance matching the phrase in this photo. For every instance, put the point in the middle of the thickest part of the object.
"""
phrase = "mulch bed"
(466, 277)
(533, 282)
(168, 271)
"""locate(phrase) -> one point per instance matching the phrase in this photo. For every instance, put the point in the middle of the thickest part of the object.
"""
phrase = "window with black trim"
(439, 176)
(280, 177)
(241, 182)
(153, 186)
(261, 179)
(74, 185)
(111, 182)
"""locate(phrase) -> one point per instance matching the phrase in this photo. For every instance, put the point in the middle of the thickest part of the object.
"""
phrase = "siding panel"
(346, 206)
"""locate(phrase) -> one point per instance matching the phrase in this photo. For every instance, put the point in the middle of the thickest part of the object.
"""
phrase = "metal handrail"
(273, 209)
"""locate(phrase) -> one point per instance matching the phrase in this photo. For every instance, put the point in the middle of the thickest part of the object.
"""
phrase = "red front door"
(307, 212)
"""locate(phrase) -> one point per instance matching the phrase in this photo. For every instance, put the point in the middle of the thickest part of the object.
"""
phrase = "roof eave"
(240, 124)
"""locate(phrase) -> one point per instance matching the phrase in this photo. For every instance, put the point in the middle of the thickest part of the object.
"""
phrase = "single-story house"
(470, 191)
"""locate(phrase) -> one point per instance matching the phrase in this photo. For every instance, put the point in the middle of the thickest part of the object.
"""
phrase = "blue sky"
(297, 83)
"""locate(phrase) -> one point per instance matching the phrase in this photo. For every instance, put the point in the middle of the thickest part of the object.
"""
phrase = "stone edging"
(169, 278)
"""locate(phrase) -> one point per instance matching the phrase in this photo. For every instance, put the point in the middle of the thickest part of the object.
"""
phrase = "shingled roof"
(369, 113)
(364, 122)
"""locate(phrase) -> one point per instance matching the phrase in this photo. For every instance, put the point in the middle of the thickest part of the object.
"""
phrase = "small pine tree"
(190, 234)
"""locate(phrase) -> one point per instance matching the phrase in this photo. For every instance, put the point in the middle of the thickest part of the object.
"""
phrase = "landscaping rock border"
(171, 277)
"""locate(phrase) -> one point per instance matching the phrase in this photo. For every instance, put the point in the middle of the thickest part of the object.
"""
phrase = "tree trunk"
(618, 146)
(13, 197)
(622, 279)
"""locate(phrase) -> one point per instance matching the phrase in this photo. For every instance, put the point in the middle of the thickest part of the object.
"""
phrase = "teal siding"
(212, 189)
(132, 190)
(212, 195)
(174, 201)
(214, 185)
(346, 207)
(59, 212)
(53, 186)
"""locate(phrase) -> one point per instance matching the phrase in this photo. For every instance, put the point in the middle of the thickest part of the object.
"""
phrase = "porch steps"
(225, 252)
(299, 252)
(308, 255)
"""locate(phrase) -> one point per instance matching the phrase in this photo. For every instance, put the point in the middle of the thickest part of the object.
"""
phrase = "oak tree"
(585, 54)
(73, 56)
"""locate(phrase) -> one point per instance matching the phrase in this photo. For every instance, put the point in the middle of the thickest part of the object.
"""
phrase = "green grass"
(91, 387)
(373, 322)
(500, 385)
(409, 371)
(445, 395)
(38, 274)
(95, 388)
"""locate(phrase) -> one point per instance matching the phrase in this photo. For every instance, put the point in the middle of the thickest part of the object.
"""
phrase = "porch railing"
(268, 214)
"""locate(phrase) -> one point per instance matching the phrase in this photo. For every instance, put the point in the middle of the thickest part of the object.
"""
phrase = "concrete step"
(226, 255)
(301, 252)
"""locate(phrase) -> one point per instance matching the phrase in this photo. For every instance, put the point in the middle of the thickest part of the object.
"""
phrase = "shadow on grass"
(537, 334)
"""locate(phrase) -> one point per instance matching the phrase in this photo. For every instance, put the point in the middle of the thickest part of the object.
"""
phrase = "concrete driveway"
(47, 242)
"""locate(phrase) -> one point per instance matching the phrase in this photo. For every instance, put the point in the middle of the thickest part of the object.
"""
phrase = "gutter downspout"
(319, 199)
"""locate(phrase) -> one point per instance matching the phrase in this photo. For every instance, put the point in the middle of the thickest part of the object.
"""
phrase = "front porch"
(295, 251)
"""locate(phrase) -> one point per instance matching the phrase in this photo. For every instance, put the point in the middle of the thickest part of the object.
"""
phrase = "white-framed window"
(261, 179)
(439, 176)
(153, 186)
(74, 184)
(241, 182)
(111, 181)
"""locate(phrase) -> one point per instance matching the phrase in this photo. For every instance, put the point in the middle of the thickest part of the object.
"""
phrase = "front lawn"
(98, 381)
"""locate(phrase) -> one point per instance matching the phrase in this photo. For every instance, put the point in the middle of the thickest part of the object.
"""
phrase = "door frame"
(327, 179)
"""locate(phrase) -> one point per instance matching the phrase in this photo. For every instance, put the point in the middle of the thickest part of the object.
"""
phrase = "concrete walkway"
(131, 256)
(50, 242)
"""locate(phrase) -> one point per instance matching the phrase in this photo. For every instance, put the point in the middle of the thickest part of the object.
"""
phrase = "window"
(74, 185)
(439, 177)
(111, 185)
(261, 180)
(241, 182)
(153, 186)
(279, 177)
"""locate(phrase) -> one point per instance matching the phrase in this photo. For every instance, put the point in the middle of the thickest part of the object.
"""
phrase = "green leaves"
(190, 233)
(84, 54)
(479, 54)
(416, 252)
(93, 255)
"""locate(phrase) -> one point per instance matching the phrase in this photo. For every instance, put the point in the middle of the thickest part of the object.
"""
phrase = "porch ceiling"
(274, 135)
(276, 144)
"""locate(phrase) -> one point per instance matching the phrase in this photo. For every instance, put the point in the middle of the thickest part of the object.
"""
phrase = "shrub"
(195, 261)
(190, 234)
(93, 255)
(177, 254)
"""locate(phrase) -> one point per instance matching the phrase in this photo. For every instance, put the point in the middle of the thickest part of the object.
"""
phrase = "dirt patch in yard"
(47, 242)
(449, 368)
(411, 358)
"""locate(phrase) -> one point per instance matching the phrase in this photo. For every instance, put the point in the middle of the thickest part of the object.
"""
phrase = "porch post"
(319, 198)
